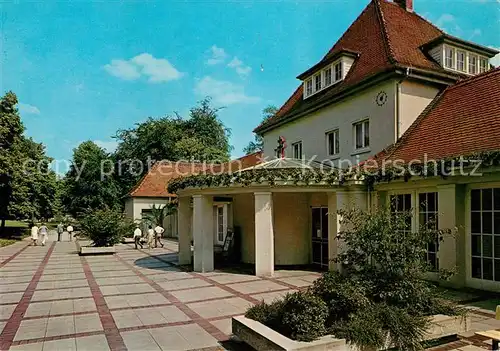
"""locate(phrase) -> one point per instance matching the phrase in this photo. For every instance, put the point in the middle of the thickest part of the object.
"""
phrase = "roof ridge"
(416, 123)
(387, 41)
(475, 78)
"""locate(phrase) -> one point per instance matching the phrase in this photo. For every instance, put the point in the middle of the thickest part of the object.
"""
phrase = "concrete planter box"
(93, 250)
(261, 337)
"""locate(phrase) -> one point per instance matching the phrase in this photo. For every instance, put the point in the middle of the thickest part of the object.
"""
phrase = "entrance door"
(221, 223)
(320, 236)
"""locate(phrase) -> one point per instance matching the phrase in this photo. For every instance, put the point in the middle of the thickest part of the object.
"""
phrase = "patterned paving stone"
(256, 287)
(126, 289)
(199, 294)
(183, 284)
(92, 343)
(220, 308)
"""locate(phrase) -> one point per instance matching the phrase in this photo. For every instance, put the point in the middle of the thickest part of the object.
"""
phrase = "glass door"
(320, 236)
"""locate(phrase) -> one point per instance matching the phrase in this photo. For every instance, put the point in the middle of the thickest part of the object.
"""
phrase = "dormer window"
(317, 82)
(461, 55)
(327, 73)
(457, 55)
(483, 65)
(328, 76)
(472, 64)
(449, 59)
(338, 71)
(309, 87)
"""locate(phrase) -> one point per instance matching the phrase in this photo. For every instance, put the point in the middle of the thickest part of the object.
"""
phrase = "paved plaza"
(53, 299)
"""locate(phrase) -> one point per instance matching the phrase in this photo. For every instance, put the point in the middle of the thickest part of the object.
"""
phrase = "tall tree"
(201, 136)
(89, 184)
(11, 129)
(35, 186)
(258, 143)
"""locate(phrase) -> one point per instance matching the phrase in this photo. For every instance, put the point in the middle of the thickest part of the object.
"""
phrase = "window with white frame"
(485, 233)
(428, 218)
(472, 64)
(309, 87)
(297, 150)
(338, 71)
(449, 57)
(332, 142)
(461, 55)
(328, 76)
(362, 134)
(401, 205)
(317, 82)
(483, 65)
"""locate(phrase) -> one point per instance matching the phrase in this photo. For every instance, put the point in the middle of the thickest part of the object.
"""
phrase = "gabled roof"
(386, 37)
(464, 119)
(155, 182)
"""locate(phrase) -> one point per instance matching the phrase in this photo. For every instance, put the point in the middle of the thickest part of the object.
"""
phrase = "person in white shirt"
(151, 237)
(34, 234)
(137, 237)
(70, 231)
(158, 232)
(43, 232)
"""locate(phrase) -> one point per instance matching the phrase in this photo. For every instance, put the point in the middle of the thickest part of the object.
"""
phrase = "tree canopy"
(258, 143)
(28, 186)
(89, 183)
(202, 136)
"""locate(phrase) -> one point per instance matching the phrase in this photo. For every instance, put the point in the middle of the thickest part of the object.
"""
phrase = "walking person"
(158, 233)
(151, 236)
(43, 232)
(137, 237)
(60, 230)
(34, 234)
(70, 231)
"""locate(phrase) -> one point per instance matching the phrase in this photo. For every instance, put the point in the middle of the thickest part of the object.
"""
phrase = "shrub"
(343, 296)
(267, 314)
(304, 316)
(300, 316)
(106, 227)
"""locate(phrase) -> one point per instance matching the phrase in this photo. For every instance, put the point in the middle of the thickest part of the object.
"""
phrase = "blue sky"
(82, 70)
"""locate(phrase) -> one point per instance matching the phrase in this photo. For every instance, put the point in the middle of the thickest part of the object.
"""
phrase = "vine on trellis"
(370, 176)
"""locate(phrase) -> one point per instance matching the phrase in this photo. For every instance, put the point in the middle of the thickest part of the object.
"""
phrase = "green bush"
(106, 227)
(343, 296)
(300, 316)
(379, 299)
(304, 316)
(267, 314)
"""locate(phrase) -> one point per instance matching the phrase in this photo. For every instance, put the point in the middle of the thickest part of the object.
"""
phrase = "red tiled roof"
(386, 36)
(154, 183)
(462, 120)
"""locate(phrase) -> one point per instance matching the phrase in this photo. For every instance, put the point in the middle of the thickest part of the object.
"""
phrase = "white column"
(203, 234)
(332, 230)
(184, 230)
(342, 202)
(447, 220)
(359, 199)
(264, 235)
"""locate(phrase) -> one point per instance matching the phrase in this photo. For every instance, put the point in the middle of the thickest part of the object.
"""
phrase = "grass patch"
(16, 224)
(6, 242)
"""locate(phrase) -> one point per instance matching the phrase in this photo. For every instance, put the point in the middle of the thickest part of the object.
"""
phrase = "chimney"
(406, 4)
